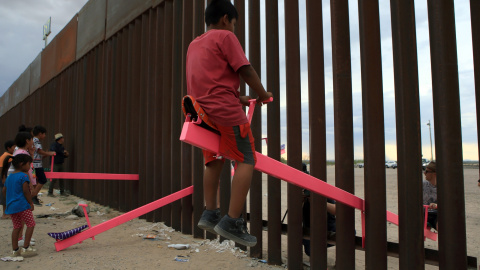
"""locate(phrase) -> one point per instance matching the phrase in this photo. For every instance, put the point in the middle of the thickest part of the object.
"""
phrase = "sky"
(22, 23)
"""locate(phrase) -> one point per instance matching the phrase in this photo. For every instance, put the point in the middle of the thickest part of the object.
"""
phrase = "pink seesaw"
(200, 137)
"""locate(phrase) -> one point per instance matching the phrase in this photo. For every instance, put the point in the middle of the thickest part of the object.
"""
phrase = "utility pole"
(431, 148)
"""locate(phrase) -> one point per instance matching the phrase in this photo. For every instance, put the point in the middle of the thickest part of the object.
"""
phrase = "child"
(215, 61)
(19, 203)
(9, 148)
(39, 133)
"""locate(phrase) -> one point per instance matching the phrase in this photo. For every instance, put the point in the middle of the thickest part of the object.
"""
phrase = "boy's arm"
(43, 153)
(27, 194)
(250, 76)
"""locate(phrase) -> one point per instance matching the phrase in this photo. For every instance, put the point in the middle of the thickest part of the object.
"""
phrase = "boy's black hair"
(9, 144)
(23, 128)
(21, 139)
(39, 129)
(21, 159)
(219, 8)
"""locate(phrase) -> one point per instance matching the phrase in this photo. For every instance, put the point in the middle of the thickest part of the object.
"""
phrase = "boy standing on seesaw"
(215, 62)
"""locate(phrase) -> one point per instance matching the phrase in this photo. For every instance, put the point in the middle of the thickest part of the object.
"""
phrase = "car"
(360, 165)
(390, 164)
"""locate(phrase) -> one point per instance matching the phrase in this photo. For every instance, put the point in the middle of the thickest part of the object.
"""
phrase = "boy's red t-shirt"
(213, 60)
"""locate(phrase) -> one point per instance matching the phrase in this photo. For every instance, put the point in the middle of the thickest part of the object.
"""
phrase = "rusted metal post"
(452, 244)
(167, 111)
(198, 200)
(158, 143)
(187, 161)
(374, 138)
(318, 140)
(342, 90)
(407, 107)
(273, 130)
(474, 11)
(256, 226)
(176, 111)
(294, 132)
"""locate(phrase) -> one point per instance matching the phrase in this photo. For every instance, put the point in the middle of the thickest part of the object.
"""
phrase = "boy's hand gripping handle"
(251, 107)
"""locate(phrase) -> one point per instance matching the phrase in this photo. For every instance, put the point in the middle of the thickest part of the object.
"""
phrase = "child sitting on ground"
(19, 203)
(215, 62)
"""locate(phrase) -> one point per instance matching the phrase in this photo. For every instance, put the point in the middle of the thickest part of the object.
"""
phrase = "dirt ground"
(124, 247)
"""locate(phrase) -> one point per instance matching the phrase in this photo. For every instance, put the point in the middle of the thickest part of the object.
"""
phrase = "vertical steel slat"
(407, 107)
(167, 111)
(143, 134)
(176, 111)
(133, 128)
(100, 124)
(318, 140)
(475, 21)
(80, 141)
(124, 111)
(113, 125)
(294, 132)
(274, 214)
(186, 149)
(342, 91)
(256, 226)
(198, 199)
(158, 143)
(89, 121)
(149, 183)
(240, 30)
(452, 244)
(107, 58)
(374, 138)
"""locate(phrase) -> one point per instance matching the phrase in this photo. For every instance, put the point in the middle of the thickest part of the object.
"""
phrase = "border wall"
(112, 81)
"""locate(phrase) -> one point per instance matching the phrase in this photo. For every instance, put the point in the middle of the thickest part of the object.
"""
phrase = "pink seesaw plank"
(107, 225)
(205, 139)
(91, 176)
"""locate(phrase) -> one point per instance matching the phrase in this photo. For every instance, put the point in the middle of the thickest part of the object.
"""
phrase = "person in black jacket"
(59, 159)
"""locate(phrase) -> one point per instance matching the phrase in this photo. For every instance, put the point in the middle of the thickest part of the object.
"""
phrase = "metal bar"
(452, 242)
(273, 130)
(158, 143)
(187, 161)
(317, 126)
(373, 139)
(150, 128)
(198, 199)
(342, 85)
(256, 126)
(294, 131)
(176, 97)
(143, 135)
(131, 192)
(240, 30)
(409, 157)
(474, 11)
(167, 111)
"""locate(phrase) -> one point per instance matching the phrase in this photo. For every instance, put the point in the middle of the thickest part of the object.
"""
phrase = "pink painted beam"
(202, 138)
(91, 176)
(107, 225)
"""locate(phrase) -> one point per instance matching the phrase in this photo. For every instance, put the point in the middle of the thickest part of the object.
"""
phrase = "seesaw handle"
(251, 107)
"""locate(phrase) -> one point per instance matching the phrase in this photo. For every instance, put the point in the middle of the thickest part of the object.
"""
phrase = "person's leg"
(50, 188)
(28, 236)
(240, 187)
(211, 177)
(15, 238)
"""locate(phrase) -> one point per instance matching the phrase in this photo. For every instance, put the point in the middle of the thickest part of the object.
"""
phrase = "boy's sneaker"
(21, 242)
(36, 201)
(235, 229)
(17, 253)
(28, 252)
(209, 219)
